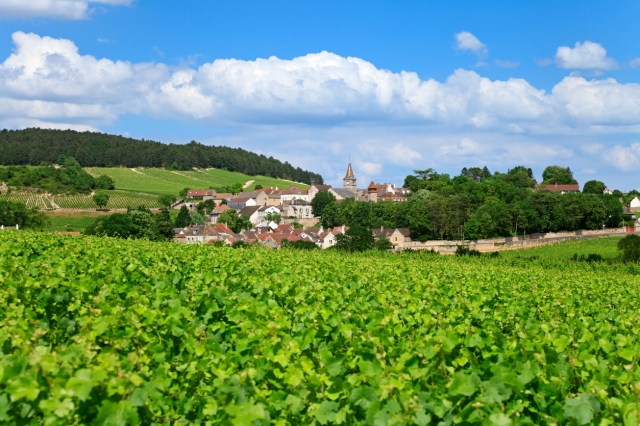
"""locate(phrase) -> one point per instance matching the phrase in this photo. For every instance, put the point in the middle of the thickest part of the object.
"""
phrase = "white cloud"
(467, 41)
(464, 147)
(592, 148)
(57, 9)
(634, 63)
(507, 64)
(543, 62)
(624, 158)
(368, 169)
(587, 55)
(48, 79)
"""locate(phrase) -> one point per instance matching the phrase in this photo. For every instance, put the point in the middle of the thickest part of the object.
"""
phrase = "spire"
(349, 172)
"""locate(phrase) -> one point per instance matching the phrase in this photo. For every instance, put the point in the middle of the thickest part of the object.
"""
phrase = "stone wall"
(511, 243)
(311, 222)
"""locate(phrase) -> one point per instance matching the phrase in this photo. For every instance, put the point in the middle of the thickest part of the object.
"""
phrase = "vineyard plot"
(37, 201)
(111, 331)
(117, 200)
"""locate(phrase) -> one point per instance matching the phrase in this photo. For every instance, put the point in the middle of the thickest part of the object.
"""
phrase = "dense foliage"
(14, 213)
(476, 205)
(630, 247)
(70, 178)
(104, 331)
(33, 146)
(136, 223)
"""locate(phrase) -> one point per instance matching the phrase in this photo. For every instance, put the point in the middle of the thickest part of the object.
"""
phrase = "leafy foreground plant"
(107, 331)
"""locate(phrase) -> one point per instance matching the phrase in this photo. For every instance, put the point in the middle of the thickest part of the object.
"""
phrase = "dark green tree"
(101, 199)
(557, 174)
(236, 188)
(357, 238)
(321, 200)
(230, 217)
(183, 217)
(104, 182)
(594, 187)
(163, 224)
(383, 244)
(630, 247)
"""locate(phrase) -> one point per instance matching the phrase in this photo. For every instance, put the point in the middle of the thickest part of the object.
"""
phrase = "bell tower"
(349, 181)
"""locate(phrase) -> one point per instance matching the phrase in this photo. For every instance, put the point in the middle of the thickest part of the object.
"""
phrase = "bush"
(630, 247)
(357, 238)
(105, 182)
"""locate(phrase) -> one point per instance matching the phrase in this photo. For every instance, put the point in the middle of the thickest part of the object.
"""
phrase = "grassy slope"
(159, 181)
(606, 247)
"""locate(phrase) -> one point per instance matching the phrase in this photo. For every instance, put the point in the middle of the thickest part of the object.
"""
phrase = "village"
(296, 221)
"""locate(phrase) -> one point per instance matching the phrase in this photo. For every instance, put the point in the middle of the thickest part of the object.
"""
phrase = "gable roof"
(344, 193)
(322, 187)
(557, 187)
(248, 210)
(220, 209)
(200, 192)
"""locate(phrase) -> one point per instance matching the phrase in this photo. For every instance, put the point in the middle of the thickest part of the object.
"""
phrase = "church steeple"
(349, 181)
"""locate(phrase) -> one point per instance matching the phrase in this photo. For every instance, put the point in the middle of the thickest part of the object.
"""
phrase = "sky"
(394, 86)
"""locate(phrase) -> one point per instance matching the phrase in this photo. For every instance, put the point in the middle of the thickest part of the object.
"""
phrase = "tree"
(196, 218)
(357, 238)
(230, 217)
(14, 213)
(243, 223)
(115, 225)
(166, 200)
(559, 175)
(163, 224)
(258, 186)
(104, 182)
(424, 174)
(593, 187)
(142, 225)
(183, 217)
(320, 201)
(630, 247)
(101, 199)
(236, 188)
(273, 216)
(383, 244)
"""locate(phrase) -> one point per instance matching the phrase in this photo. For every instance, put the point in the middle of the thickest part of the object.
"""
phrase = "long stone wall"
(511, 243)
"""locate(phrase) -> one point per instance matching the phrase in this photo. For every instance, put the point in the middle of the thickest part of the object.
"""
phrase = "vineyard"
(38, 201)
(106, 331)
(117, 200)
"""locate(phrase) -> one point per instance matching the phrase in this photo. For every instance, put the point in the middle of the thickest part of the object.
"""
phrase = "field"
(160, 181)
(117, 200)
(605, 247)
(38, 201)
(106, 331)
(72, 221)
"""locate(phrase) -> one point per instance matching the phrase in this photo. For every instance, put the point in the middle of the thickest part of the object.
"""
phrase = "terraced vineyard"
(117, 200)
(106, 331)
(160, 181)
(37, 201)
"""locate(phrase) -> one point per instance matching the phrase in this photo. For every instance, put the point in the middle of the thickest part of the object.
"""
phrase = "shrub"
(630, 247)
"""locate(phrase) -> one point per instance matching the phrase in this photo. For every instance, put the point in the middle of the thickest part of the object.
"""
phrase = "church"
(374, 193)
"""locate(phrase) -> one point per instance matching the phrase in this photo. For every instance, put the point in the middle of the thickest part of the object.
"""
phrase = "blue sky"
(396, 85)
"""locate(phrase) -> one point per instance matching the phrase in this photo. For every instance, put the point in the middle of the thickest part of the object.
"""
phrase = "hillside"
(34, 146)
(160, 181)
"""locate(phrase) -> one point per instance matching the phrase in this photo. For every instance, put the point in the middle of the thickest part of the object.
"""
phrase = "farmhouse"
(563, 189)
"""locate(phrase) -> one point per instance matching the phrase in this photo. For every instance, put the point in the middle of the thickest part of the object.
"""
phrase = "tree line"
(34, 146)
(477, 204)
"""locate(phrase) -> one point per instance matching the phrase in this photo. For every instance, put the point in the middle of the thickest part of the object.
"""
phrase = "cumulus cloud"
(465, 146)
(48, 79)
(467, 41)
(592, 148)
(587, 55)
(634, 63)
(624, 158)
(57, 9)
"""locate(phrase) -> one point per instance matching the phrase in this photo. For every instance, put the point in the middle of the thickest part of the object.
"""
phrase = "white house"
(634, 205)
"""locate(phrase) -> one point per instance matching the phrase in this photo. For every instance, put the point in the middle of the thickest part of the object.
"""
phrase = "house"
(202, 234)
(317, 188)
(562, 189)
(299, 209)
(220, 197)
(292, 194)
(238, 203)
(217, 211)
(205, 194)
(399, 237)
(263, 211)
(607, 191)
(251, 212)
(377, 192)
(634, 205)
(253, 198)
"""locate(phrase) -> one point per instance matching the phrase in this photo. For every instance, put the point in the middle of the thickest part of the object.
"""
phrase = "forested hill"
(34, 146)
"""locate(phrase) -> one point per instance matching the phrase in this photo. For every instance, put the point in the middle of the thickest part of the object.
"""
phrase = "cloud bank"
(57, 9)
(47, 82)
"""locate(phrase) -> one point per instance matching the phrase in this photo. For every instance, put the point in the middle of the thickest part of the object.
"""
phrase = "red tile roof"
(557, 187)
(200, 192)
